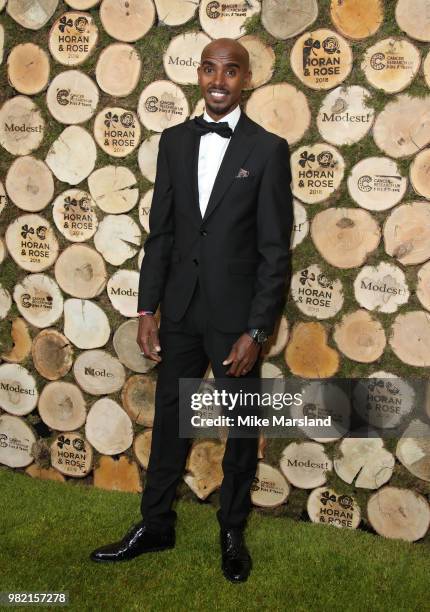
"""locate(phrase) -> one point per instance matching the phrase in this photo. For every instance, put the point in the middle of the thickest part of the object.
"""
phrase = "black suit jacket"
(240, 250)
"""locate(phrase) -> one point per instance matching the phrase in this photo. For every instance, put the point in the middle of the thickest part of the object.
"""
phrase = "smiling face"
(222, 74)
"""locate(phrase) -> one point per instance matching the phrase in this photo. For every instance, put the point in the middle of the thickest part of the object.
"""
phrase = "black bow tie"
(219, 127)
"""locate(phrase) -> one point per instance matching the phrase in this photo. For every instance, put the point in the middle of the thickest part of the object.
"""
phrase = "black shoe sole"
(149, 550)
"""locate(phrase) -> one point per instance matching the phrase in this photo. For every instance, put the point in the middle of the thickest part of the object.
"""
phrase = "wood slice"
(39, 300)
(98, 372)
(419, 171)
(175, 12)
(182, 57)
(226, 19)
(410, 338)
(204, 467)
(287, 18)
(321, 59)
(281, 109)
(261, 60)
(376, 183)
(345, 237)
(344, 118)
(127, 21)
(140, 258)
(21, 340)
(269, 488)
(360, 337)
(2, 4)
(5, 302)
(413, 449)
(52, 354)
(308, 354)
(117, 475)
(315, 294)
(75, 215)
(403, 127)
(147, 157)
(391, 64)
(118, 69)
(29, 183)
(28, 68)
(85, 324)
(423, 285)
(398, 514)
(161, 105)
(1, 43)
(305, 465)
(122, 289)
(62, 406)
(426, 69)
(326, 506)
(317, 172)
(108, 427)
(31, 14)
(142, 447)
(3, 256)
(73, 155)
(72, 97)
(114, 237)
(366, 460)
(114, 189)
(81, 272)
(3, 198)
(138, 399)
(301, 224)
(21, 126)
(278, 340)
(36, 471)
(382, 288)
(73, 38)
(117, 131)
(82, 5)
(17, 440)
(18, 390)
(31, 243)
(72, 455)
(269, 370)
(145, 208)
(357, 19)
(413, 17)
(407, 233)
(127, 349)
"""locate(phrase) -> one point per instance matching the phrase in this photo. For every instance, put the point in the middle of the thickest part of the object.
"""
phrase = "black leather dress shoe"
(137, 540)
(236, 560)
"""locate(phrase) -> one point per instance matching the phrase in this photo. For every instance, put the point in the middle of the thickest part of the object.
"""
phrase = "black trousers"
(187, 347)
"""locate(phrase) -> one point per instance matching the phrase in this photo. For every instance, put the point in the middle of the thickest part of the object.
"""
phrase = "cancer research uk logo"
(153, 104)
(216, 9)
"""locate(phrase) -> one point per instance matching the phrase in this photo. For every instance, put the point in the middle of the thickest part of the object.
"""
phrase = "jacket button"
(203, 232)
(196, 262)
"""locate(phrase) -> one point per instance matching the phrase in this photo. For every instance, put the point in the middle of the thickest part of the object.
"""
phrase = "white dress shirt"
(211, 153)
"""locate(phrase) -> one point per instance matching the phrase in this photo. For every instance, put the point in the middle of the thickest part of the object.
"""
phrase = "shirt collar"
(232, 118)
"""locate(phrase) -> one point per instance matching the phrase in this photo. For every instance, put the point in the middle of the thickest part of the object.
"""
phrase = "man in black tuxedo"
(217, 261)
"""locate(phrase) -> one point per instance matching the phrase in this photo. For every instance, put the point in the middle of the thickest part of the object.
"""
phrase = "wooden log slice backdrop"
(305, 465)
(127, 21)
(182, 57)
(204, 470)
(39, 300)
(315, 294)
(138, 397)
(365, 460)
(75, 215)
(328, 507)
(376, 183)
(269, 488)
(161, 105)
(3, 197)
(17, 440)
(62, 406)
(29, 183)
(147, 157)
(426, 69)
(357, 19)
(226, 19)
(317, 172)
(72, 97)
(72, 455)
(52, 354)
(308, 354)
(73, 38)
(21, 339)
(5, 302)
(36, 471)
(117, 474)
(21, 126)
(423, 285)
(360, 337)
(117, 131)
(116, 237)
(114, 189)
(145, 209)
(413, 17)
(261, 60)
(175, 12)
(413, 449)
(410, 338)
(32, 243)
(122, 289)
(277, 342)
(382, 287)
(287, 18)
(127, 349)
(85, 324)
(391, 64)
(31, 14)
(18, 390)
(82, 5)
(108, 427)
(73, 155)
(407, 233)
(142, 447)
(118, 69)
(98, 372)
(28, 68)
(81, 271)
(419, 173)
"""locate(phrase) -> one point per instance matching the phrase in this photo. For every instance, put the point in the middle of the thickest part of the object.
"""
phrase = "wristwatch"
(258, 335)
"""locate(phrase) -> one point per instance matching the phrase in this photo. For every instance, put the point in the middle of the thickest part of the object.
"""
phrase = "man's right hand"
(147, 337)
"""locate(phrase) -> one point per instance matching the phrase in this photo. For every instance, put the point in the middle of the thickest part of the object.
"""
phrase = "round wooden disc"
(5, 302)
(142, 447)
(326, 506)
(82, 5)
(269, 370)
(391, 64)
(375, 183)
(117, 474)
(52, 354)
(413, 17)
(31, 242)
(28, 68)
(357, 19)
(122, 289)
(74, 215)
(205, 467)
(17, 440)
(85, 324)
(80, 271)
(118, 69)
(140, 258)
(305, 465)
(277, 342)
(410, 338)
(114, 237)
(1, 43)
(127, 21)
(382, 287)
(21, 126)
(72, 455)
(147, 157)
(399, 514)
(261, 60)
(108, 427)
(127, 349)
(287, 18)
(407, 233)
(360, 337)
(73, 38)
(219, 19)
(72, 97)
(317, 172)
(114, 189)
(301, 224)
(32, 14)
(18, 390)
(419, 171)
(426, 69)
(73, 155)
(21, 339)
(98, 372)
(3, 198)
(308, 355)
(366, 460)
(29, 183)
(423, 285)
(138, 399)
(269, 488)
(62, 406)
(36, 471)
(182, 57)
(315, 294)
(345, 237)
(321, 59)
(117, 131)
(3, 251)
(39, 300)
(413, 449)
(145, 209)
(344, 118)
(175, 12)
(161, 105)
(281, 109)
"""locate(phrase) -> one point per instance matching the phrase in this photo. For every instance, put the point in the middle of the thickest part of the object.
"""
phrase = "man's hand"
(242, 356)
(147, 337)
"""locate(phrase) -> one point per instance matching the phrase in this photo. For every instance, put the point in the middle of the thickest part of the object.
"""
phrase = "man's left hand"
(242, 356)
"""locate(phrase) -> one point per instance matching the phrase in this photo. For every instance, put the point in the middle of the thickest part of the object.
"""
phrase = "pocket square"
(242, 173)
